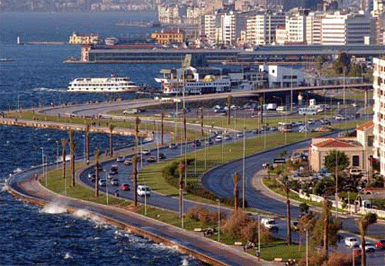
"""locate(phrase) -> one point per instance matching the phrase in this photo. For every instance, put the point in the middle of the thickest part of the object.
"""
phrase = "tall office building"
(314, 28)
(296, 25)
(261, 27)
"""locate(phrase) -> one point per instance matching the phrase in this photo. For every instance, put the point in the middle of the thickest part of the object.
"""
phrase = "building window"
(356, 160)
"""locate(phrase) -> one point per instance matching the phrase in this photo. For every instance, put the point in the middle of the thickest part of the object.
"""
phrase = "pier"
(70, 126)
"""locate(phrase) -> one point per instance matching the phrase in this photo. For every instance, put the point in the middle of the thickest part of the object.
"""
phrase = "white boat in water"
(103, 85)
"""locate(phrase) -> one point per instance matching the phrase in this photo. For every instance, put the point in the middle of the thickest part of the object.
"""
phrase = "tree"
(282, 154)
(135, 178)
(111, 131)
(181, 168)
(303, 207)
(87, 143)
(162, 127)
(321, 59)
(97, 156)
(363, 224)
(137, 122)
(64, 144)
(342, 62)
(286, 188)
(236, 178)
(228, 108)
(72, 155)
(330, 161)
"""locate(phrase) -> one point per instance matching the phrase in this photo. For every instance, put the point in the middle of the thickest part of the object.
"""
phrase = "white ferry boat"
(104, 85)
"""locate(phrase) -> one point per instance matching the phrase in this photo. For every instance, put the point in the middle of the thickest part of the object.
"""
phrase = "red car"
(381, 244)
(124, 187)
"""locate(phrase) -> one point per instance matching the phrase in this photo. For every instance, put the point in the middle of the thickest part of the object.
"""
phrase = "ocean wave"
(50, 89)
(53, 208)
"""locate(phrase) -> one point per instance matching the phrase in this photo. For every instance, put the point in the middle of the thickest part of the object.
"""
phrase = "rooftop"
(337, 143)
(366, 125)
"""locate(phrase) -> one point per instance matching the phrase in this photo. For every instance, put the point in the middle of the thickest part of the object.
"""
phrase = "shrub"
(204, 216)
(339, 259)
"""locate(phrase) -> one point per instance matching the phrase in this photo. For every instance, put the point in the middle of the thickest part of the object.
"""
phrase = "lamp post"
(307, 247)
(105, 173)
(219, 220)
(259, 234)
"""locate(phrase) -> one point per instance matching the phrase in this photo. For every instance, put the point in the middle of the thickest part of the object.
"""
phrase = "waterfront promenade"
(26, 187)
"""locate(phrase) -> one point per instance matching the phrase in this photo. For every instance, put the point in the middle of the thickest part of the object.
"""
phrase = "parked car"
(162, 156)
(355, 172)
(239, 134)
(226, 137)
(209, 142)
(381, 244)
(218, 138)
(143, 191)
(128, 161)
(102, 182)
(124, 187)
(120, 159)
(91, 175)
(197, 143)
(351, 242)
(369, 247)
(255, 131)
(294, 225)
(114, 168)
(146, 152)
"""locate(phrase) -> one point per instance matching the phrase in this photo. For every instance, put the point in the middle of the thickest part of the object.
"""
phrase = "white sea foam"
(17, 170)
(67, 256)
(185, 262)
(50, 89)
(54, 208)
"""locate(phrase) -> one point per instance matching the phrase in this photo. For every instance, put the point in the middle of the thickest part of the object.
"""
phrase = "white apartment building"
(169, 15)
(379, 111)
(227, 28)
(261, 27)
(280, 35)
(314, 28)
(210, 28)
(296, 26)
(345, 29)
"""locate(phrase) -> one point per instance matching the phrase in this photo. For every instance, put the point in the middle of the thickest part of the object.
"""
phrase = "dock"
(74, 127)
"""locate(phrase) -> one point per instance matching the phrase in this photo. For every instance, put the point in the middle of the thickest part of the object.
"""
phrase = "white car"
(270, 224)
(369, 247)
(120, 159)
(146, 152)
(218, 139)
(143, 191)
(352, 242)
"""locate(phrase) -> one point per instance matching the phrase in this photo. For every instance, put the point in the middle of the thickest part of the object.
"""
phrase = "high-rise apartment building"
(345, 29)
(296, 25)
(314, 28)
(210, 28)
(227, 28)
(379, 111)
(261, 27)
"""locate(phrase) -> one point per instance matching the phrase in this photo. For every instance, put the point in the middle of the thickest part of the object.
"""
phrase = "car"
(124, 187)
(270, 224)
(114, 182)
(196, 143)
(352, 242)
(218, 138)
(255, 131)
(162, 156)
(146, 152)
(381, 244)
(355, 172)
(114, 168)
(294, 225)
(143, 191)
(265, 128)
(120, 159)
(226, 137)
(102, 182)
(209, 142)
(151, 159)
(239, 134)
(91, 175)
(369, 247)
(172, 146)
(325, 122)
(128, 161)
(274, 128)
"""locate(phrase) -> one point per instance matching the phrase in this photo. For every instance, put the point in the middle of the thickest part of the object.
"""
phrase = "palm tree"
(286, 188)
(162, 127)
(87, 143)
(111, 128)
(137, 122)
(326, 219)
(202, 116)
(363, 224)
(228, 108)
(236, 178)
(97, 155)
(64, 144)
(261, 100)
(135, 178)
(182, 169)
(72, 155)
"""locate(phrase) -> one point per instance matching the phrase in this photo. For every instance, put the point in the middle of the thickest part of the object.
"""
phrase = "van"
(281, 109)
(143, 191)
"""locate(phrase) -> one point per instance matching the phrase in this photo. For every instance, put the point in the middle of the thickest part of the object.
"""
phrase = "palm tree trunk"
(228, 109)
(236, 195)
(111, 145)
(72, 155)
(64, 144)
(326, 231)
(202, 115)
(363, 242)
(97, 178)
(288, 218)
(87, 143)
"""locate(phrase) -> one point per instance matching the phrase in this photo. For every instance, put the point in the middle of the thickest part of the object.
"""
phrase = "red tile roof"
(335, 143)
(366, 125)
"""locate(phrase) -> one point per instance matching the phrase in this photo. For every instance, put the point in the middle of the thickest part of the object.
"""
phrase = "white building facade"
(261, 27)
(379, 111)
(296, 26)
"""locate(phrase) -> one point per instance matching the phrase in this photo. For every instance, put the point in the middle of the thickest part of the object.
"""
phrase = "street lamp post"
(219, 220)
(42, 161)
(105, 173)
(244, 168)
(307, 247)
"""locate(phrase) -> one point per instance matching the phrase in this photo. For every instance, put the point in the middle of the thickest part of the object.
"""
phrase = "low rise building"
(168, 36)
(358, 149)
(84, 38)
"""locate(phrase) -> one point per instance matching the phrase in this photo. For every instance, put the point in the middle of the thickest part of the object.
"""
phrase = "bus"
(307, 111)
